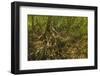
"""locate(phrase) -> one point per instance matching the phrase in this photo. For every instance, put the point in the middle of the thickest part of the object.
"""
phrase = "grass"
(57, 37)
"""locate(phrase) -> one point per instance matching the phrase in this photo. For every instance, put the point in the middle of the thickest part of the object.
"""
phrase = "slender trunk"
(48, 24)
(33, 22)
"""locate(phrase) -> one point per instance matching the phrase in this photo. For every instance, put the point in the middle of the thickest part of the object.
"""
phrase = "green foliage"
(57, 37)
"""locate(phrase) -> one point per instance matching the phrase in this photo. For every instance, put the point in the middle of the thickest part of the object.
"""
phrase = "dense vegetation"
(57, 37)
